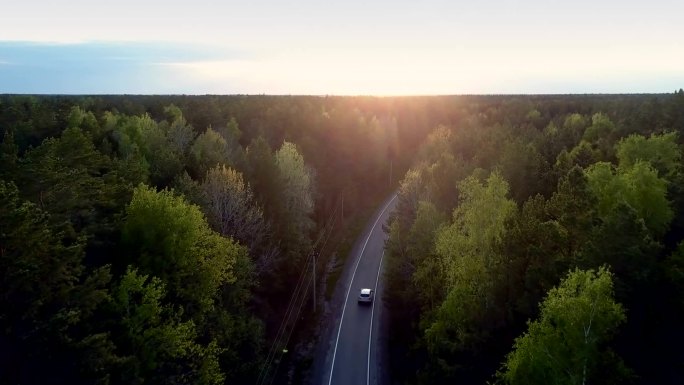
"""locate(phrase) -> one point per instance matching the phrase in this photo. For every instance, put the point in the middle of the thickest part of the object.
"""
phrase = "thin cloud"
(32, 52)
(100, 67)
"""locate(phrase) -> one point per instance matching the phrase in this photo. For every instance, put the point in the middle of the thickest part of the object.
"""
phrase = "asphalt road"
(354, 355)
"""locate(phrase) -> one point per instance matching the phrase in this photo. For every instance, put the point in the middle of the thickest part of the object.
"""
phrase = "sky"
(332, 47)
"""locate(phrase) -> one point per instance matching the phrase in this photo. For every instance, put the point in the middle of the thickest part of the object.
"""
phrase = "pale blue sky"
(341, 47)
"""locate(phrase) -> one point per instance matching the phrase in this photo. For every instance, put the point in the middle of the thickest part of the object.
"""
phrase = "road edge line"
(346, 298)
(370, 334)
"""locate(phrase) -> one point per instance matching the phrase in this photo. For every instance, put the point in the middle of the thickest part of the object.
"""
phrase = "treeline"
(539, 241)
(157, 239)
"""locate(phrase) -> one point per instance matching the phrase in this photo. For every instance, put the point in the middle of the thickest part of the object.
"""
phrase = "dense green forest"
(157, 239)
(539, 240)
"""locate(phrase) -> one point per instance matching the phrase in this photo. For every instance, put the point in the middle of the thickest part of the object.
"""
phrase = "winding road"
(354, 356)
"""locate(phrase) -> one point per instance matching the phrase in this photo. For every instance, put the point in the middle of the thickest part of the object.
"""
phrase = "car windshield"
(365, 294)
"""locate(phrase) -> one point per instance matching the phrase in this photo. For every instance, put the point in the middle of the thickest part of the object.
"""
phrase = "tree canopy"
(566, 345)
(158, 239)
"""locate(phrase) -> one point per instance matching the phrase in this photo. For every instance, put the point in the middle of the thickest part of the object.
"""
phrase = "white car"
(366, 296)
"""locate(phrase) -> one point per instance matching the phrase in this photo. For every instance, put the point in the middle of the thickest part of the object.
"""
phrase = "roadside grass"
(341, 252)
(344, 240)
(299, 361)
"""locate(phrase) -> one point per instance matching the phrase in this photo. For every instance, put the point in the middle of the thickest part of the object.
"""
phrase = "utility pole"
(390, 179)
(314, 282)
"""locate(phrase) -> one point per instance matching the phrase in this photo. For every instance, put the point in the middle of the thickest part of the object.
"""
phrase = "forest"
(539, 240)
(157, 239)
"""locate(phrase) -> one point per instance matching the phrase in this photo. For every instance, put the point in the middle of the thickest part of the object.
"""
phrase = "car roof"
(365, 291)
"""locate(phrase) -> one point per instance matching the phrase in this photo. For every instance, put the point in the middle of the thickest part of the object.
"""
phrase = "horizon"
(351, 95)
(352, 49)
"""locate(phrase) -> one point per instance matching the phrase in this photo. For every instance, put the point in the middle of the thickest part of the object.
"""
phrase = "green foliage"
(9, 152)
(439, 177)
(297, 191)
(162, 347)
(232, 211)
(265, 177)
(575, 123)
(141, 137)
(209, 150)
(468, 253)
(410, 194)
(48, 301)
(532, 262)
(572, 215)
(163, 156)
(478, 220)
(638, 186)
(416, 273)
(80, 118)
(180, 134)
(623, 242)
(596, 214)
(661, 151)
(675, 272)
(602, 134)
(190, 189)
(231, 133)
(601, 127)
(582, 155)
(174, 242)
(521, 165)
(77, 185)
(421, 236)
(193, 293)
(414, 277)
(31, 118)
(436, 144)
(173, 112)
(208, 278)
(297, 186)
(568, 347)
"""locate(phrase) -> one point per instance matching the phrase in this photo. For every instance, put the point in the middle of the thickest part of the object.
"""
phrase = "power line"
(294, 300)
(301, 303)
(281, 329)
(290, 334)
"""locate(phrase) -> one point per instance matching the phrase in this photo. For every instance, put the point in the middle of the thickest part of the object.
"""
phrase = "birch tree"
(297, 186)
(467, 252)
(232, 210)
(567, 344)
